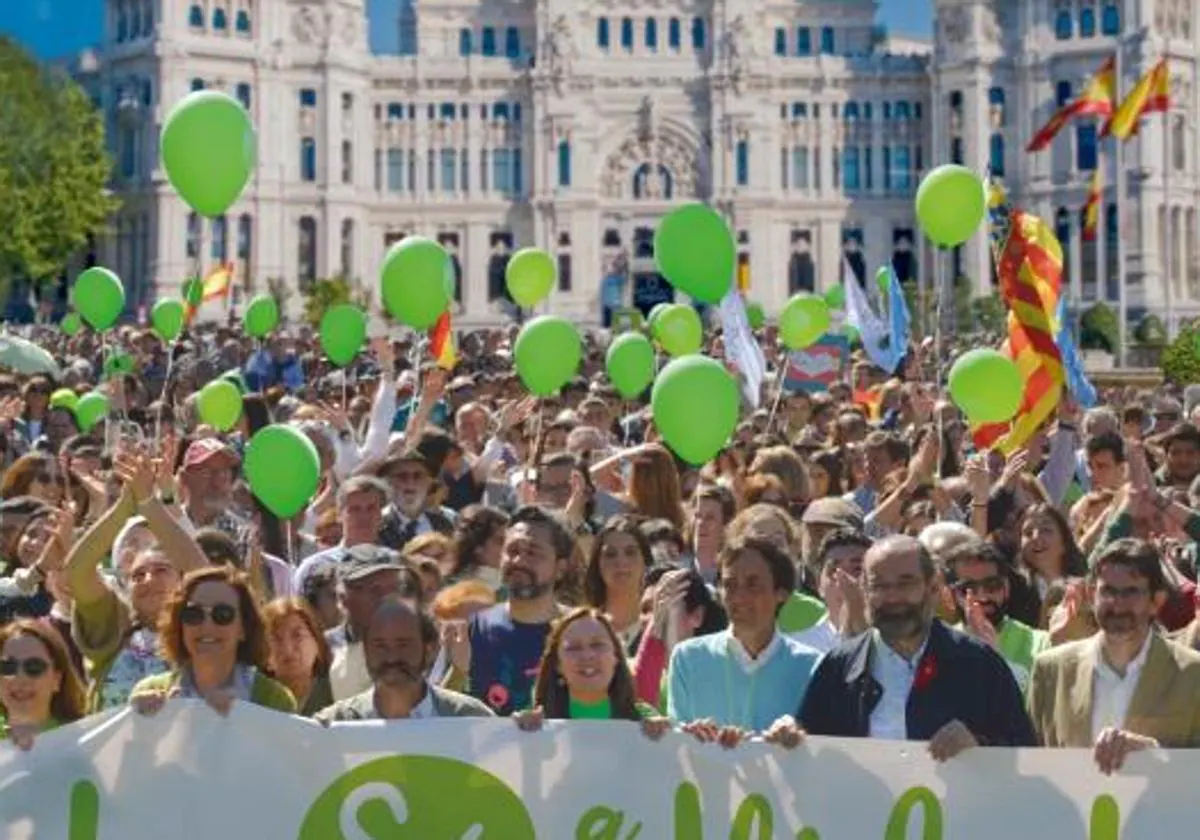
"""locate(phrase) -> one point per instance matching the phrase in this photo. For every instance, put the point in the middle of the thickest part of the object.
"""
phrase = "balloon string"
(162, 399)
(779, 378)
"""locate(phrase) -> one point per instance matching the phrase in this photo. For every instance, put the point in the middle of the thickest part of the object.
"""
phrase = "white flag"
(740, 346)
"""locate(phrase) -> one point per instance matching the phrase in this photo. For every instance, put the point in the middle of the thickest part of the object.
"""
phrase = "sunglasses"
(222, 615)
(33, 667)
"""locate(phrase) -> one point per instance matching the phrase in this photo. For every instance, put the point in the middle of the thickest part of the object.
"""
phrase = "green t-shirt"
(590, 711)
(799, 612)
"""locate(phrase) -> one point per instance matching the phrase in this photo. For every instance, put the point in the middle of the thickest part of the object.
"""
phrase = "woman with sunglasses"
(39, 688)
(214, 640)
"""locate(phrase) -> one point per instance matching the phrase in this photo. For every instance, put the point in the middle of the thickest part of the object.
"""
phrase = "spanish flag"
(218, 282)
(1096, 100)
(441, 343)
(1091, 208)
(1151, 95)
(1029, 266)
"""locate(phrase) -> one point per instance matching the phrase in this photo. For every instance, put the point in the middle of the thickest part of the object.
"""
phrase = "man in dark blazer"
(911, 677)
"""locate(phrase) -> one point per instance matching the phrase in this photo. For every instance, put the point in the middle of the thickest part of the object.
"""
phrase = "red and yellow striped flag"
(1151, 95)
(441, 343)
(1091, 208)
(219, 281)
(1096, 100)
(1029, 266)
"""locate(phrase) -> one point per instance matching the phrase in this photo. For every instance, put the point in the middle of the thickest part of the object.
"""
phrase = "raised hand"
(138, 473)
(384, 353)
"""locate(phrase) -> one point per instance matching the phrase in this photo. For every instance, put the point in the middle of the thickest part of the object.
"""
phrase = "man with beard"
(911, 677)
(507, 640)
(980, 580)
(412, 475)
(401, 643)
(207, 478)
(1126, 688)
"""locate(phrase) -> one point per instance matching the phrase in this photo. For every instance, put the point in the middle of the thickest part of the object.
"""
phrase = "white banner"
(190, 774)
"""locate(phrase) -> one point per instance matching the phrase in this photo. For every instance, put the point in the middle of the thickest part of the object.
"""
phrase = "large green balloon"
(630, 364)
(693, 249)
(835, 296)
(695, 404)
(99, 296)
(805, 318)
(951, 204)
(208, 150)
(90, 410)
(678, 330)
(192, 292)
(413, 278)
(219, 404)
(755, 316)
(652, 318)
(283, 469)
(530, 276)
(262, 316)
(64, 398)
(71, 324)
(167, 319)
(986, 385)
(343, 331)
(547, 354)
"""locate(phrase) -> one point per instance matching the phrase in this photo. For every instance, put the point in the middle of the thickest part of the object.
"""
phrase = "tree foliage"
(1151, 332)
(54, 169)
(326, 293)
(1099, 329)
(1180, 359)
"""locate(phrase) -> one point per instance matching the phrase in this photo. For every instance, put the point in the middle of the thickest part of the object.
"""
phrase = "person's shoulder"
(797, 649)
(358, 707)
(1186, 659)
(272, 694)
(1064, 655)
(456, 704)
(701, 647)
(493, 616)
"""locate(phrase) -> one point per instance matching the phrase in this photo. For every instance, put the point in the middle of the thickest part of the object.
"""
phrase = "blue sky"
(57, 28)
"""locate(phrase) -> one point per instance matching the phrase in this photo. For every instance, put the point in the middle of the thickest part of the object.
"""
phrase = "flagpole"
(1100, 289)
(1168, 244)
(1119, 148)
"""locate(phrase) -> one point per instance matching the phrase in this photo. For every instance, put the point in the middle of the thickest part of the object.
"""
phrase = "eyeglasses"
(989, 585)
(222, 615)
(33, 667)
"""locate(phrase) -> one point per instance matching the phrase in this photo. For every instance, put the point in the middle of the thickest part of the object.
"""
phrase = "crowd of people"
(844, 567)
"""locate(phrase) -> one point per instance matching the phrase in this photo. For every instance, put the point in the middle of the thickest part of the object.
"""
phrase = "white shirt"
(425, 709)
(1112, 693)
(748, 663)
(822, 636)
(348, 672)
(895, 675)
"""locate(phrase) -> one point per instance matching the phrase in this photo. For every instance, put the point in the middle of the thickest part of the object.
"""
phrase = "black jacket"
(959, 678)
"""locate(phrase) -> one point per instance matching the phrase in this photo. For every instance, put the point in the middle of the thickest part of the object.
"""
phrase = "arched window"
(780, 41)
(996, 101)
(801, 273)
(242, 23)
(827, 42)
(135, 20)
(196, 16)
(1062, 230)
(219, 249)
(656, 184)
(243, 95)
(220, 20)
(245, 243)
(497, 265)
(651, 34)
(1064, 26)
(1110, 19)
(306, 251)
(602, 36)
(627, 34)
(1087, 21)
(742, 162)
(564, 163)
(122, 23)
(1085, 146)
(850, 111)
(1062, 93)
(996, 154)
(464, 42)
(308, 159)
(347, 248)
(674, 34)
(804, 41)
(699, 33)
(193, 236)
(512, 42)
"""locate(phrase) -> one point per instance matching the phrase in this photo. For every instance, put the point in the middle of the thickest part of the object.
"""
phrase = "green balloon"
(678, 330)
(219, 404)
(530, 276)
(695, 404)
(90, 410)
(167, 319)
(235, 377)
(883, 279)
(283, 469)
(71, 324)
(694, 250)
(851, 332)
(192, 292)
(805, 318)
(951, 204)
(413, 278)
(835, 296)
(208, 150)
(99, 297)
(64, 398)
(343, 331)
(119, 363)
(262, 316)
(652, 318)
(986, 385)
(755, 315)
(547, 354)
(630, 364)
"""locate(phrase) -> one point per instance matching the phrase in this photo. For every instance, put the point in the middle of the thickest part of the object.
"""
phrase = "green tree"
(328, 292)
(1151, 332)
(279, 289)
(1099, 329)
(1180, 359)
(54, 169)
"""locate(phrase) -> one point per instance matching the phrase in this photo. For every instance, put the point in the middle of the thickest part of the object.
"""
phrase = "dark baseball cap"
(362, 561)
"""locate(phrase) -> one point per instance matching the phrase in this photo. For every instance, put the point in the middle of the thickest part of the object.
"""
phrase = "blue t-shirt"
(440, 416)
(504, 658)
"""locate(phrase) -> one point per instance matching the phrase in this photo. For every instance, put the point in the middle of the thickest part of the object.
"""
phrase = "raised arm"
(140, 474)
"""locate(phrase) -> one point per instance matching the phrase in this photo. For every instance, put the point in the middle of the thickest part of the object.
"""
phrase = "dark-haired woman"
(615, 577)
(39, 688)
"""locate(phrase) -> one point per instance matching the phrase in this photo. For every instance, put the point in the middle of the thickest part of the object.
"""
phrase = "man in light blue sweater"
(744, 679)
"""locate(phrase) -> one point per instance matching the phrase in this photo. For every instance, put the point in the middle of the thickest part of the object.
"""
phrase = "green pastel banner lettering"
(1106, 819)
(84, 819)
(604, 823)
(931, 815)
(754, 810)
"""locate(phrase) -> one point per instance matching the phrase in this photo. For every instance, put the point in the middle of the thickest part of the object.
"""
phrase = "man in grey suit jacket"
(399, 646)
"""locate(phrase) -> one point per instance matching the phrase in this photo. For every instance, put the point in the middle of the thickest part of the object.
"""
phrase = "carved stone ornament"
(954, 25)
(665, 149)
(307, 25)
(352, 26)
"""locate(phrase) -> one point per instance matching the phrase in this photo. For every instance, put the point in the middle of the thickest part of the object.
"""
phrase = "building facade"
(574, 127)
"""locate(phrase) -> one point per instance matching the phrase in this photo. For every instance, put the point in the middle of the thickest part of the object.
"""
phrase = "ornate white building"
(575, 126)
